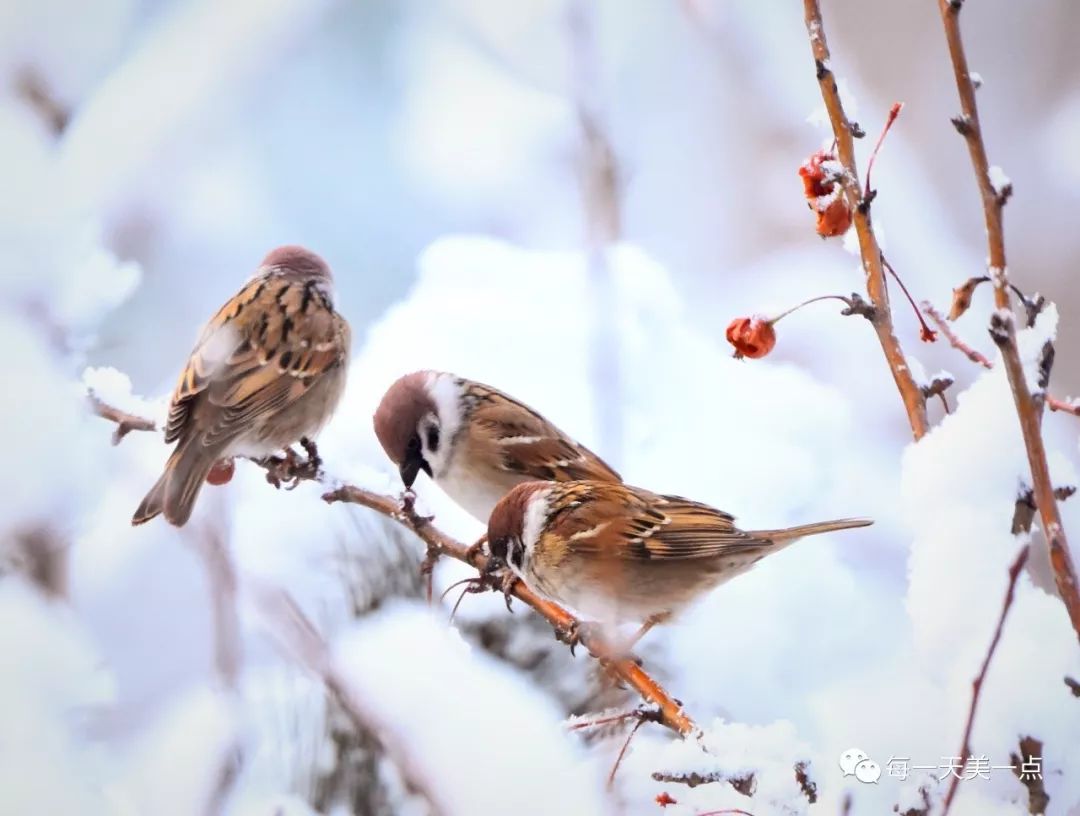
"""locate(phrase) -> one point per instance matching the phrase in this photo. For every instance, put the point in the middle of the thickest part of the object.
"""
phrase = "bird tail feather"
(790, 534)
(175, 492)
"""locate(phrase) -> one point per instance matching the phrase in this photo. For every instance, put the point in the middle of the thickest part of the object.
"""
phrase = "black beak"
(412, 465)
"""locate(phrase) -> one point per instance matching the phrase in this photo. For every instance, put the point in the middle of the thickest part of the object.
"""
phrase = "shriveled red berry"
(222, 472)
(835, 218)
(823, 194)
(664, 799)
(815, 182)
(752, 337)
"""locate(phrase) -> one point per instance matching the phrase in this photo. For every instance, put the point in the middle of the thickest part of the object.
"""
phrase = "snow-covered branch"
(567, 627)
(1002, 325)
(859, 205)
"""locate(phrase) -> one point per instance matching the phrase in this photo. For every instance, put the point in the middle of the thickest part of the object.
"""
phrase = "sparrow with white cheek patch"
(618, 553)
(267, 371)
(474, 441)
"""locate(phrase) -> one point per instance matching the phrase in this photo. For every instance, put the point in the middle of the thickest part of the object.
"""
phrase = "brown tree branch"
(947, 332)
(125, 422)
(669, 711)
(1002, 324)
(1068, 406)
(976, 356)
(746, 783)
(977, 683)
(881, 320)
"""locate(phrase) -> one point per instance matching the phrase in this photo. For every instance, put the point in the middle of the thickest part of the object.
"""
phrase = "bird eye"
(414, 444)
(432, 438)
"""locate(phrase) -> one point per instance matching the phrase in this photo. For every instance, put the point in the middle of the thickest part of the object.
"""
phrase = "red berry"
(824, 196)
(222, 472)
(751, 336)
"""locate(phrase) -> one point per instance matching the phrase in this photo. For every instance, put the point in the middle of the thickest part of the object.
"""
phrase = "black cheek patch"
(516, 555)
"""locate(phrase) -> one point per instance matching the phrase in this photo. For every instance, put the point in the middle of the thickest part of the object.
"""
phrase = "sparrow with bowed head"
(474, 441)
(618, 553)
(267, 371)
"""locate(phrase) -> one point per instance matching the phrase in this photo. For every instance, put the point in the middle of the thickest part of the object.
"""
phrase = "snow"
(426, 698)
(958, 573)
(441, 150)
(113, 388)
(52, 671)
(998, 180)
(178, 765)
(769, 753)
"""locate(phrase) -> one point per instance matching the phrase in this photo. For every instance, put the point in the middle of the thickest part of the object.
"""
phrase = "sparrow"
(619, 553)
(474, 441)
(268, 370)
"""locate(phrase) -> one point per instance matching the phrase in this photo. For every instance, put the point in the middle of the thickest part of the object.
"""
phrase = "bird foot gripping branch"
(291, 468)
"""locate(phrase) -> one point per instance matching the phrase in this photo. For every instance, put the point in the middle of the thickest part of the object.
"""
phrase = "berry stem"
(927, 334)
(774, 320)
(894, 111)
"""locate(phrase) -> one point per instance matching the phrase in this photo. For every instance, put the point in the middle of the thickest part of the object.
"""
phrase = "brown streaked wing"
(641, 525)
(544, 453)
(284, 336)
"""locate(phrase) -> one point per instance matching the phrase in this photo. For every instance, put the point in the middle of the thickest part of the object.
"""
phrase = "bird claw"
(575, 633)
(497, 577)
(507, 588)
(314, 461)
(303, 469)
(289, 470)
(476, 549)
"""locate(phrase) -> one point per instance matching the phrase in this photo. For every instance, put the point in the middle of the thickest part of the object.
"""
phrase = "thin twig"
(1053, 403)
(125, 422)
(1068, 406)
(624, 668)
(947, 332)
(640, 713)
(1002, 325)
(622, 753)
(746, 784)
(914, 402)
(977, 683)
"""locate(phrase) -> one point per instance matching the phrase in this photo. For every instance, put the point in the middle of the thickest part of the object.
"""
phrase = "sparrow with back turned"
(618, 553)
(267, 371)
(474, 441)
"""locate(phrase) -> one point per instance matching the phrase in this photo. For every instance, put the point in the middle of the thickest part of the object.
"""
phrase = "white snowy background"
(153, 150)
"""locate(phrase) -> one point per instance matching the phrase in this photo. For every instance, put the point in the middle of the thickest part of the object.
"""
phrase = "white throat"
(445, 392)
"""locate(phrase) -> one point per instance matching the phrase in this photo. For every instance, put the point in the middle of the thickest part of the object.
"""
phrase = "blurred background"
(202, 134)
(460, 164)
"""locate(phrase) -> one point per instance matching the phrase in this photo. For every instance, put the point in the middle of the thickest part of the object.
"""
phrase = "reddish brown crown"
(397, 416)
